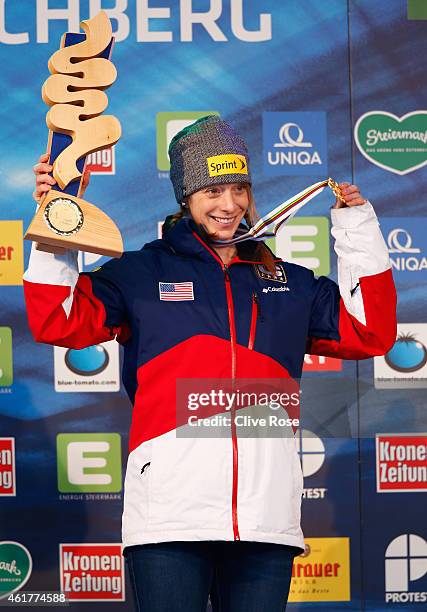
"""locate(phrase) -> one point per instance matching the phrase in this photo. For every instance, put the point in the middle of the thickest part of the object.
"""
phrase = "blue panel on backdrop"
(406, 239)
(295, 143)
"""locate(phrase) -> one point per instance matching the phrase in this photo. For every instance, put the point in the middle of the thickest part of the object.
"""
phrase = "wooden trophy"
(80, 72)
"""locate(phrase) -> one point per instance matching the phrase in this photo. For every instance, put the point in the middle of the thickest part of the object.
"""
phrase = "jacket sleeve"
(69, 309)
(355, 319)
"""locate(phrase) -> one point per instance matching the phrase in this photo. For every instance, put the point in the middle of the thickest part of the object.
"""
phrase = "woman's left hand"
(351, 194)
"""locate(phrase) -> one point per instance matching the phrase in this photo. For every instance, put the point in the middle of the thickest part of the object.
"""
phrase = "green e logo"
(89, 462)
(304, 241)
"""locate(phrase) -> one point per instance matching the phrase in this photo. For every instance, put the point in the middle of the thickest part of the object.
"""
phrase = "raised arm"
(67, 308)
(357, 318)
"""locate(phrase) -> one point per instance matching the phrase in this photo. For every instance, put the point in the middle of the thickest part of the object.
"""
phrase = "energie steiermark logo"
(6, 364)
(15, 567)
(304, 241)
(396, 144)
(89, 462)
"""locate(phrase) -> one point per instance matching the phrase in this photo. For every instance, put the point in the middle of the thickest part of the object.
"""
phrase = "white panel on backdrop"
(95, 368)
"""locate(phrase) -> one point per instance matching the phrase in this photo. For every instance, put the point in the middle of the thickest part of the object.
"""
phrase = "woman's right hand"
(45, 182)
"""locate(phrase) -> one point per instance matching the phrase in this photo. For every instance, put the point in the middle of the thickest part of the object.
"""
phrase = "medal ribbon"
(268, 225)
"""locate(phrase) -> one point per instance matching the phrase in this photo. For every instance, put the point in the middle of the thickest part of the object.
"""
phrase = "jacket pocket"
(137, 489)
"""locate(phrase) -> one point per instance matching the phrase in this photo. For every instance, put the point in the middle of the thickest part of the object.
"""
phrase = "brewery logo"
(311, 451)
(92, 572)
(11, 253)
(322, 573)
(396, 144)
(102, 162)
(295, 143)
(406, 245)
(89, 462)
(406, 569)
(15, 567)
(304, 241)
(168, 124)
(405, 364)
(94, 368)
(401, 462)
(7, 467)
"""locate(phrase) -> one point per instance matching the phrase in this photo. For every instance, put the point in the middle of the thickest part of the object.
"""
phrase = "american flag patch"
(176, 292)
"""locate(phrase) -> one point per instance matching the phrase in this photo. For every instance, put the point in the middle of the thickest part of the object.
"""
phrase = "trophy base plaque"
(65, 221)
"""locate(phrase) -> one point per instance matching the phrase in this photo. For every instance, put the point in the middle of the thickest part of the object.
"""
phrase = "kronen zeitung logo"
(406, 564)
(227, 164)
(7, 467)
(401, 462)
(92, 572)
(395, 144)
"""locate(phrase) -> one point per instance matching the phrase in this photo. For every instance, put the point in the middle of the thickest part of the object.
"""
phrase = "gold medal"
(63, 216)
(336, 189)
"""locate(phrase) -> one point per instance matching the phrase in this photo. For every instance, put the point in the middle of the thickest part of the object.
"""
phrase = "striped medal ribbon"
(268, 226)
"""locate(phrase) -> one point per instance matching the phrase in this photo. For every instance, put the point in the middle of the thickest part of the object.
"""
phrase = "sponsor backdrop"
(316, 88)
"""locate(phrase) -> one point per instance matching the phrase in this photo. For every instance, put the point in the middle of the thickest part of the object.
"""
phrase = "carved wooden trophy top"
(80, 72)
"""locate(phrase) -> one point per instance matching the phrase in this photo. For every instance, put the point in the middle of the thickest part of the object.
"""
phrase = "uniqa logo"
(291, 135)
(400, 243)
(87, 361)
(15, 567)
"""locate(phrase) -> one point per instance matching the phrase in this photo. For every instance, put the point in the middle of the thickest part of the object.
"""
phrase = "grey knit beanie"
(207, 152)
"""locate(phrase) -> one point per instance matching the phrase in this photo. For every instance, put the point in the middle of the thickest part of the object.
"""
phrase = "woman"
(203, 508)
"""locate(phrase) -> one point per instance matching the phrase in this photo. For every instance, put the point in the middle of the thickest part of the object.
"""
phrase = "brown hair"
(262, 252)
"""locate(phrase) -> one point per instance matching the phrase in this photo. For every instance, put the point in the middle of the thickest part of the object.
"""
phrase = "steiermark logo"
(304, 241)
(15, 567)
(395, 144)
(167, 126)
(89, 462)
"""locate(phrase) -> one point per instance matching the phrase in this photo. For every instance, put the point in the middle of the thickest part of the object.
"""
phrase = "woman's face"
(220, 208)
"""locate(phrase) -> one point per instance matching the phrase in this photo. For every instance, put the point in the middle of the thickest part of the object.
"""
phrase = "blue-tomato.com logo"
(295, 143)
(87, 361)
(407, 354)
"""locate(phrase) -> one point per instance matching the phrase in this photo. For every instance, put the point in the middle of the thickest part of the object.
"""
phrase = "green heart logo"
(15, 567)
(396, 144)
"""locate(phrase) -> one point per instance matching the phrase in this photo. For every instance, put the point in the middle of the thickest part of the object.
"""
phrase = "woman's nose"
(227, 200)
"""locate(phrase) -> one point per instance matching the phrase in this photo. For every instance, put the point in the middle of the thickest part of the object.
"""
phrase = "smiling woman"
(218, 514)
(212, 182)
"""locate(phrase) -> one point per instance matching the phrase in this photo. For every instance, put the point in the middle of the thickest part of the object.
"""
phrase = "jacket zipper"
(230, 308)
